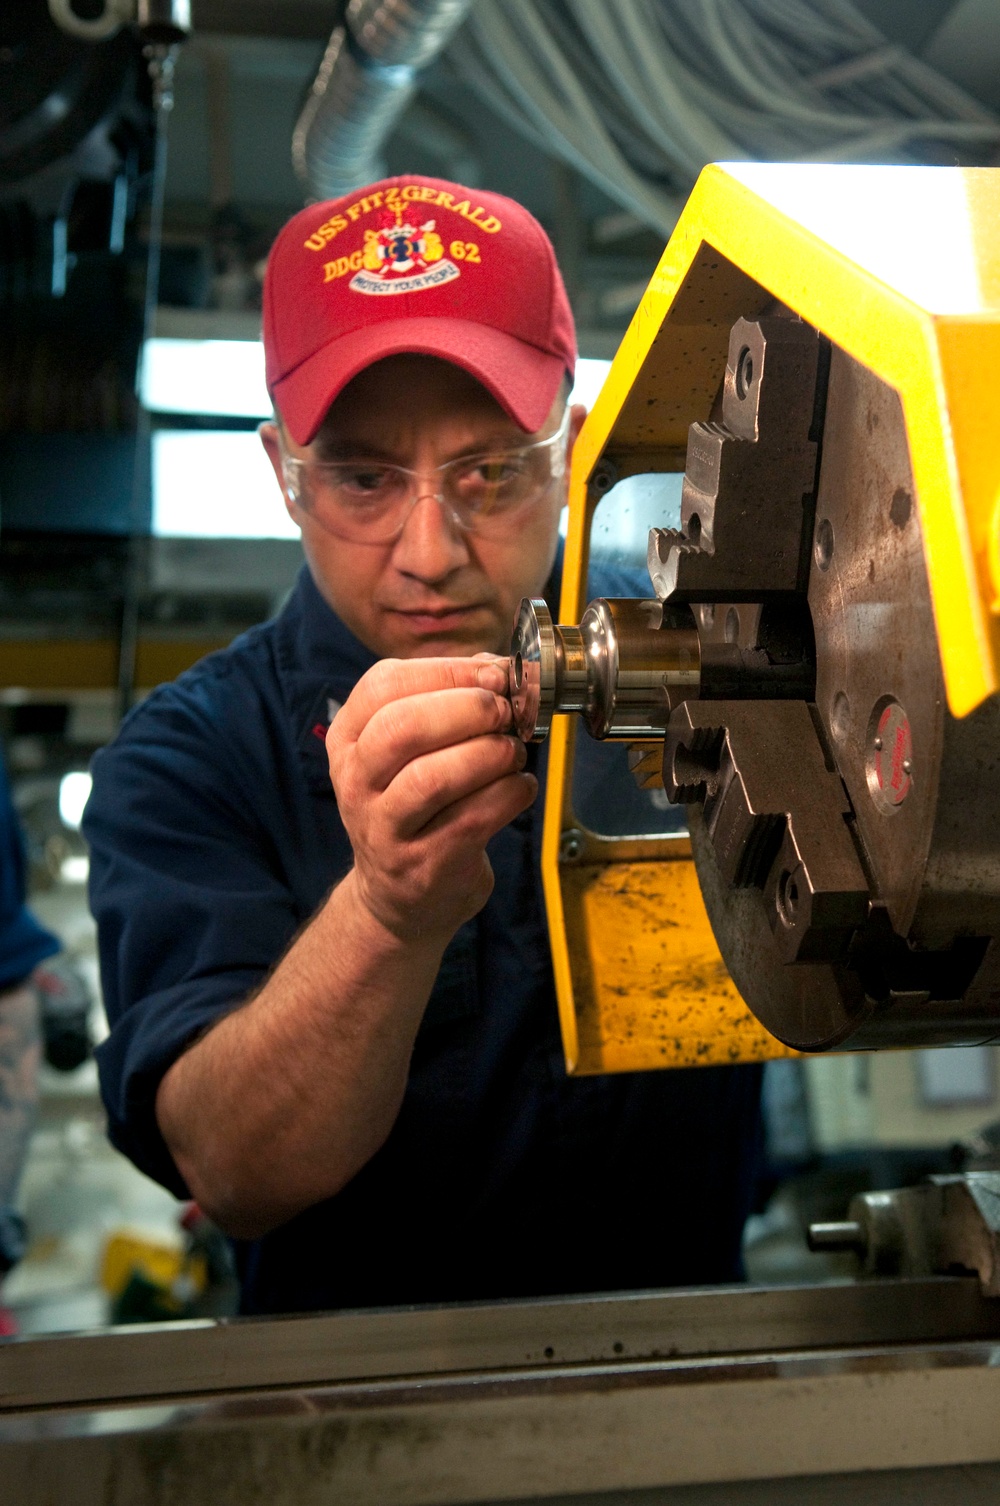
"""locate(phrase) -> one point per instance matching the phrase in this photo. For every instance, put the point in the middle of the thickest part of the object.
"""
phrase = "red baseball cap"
(417, 265)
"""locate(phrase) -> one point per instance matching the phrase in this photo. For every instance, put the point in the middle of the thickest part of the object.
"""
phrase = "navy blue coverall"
(214, 836)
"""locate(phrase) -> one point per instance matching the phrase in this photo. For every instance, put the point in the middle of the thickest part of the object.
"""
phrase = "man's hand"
(425, 771)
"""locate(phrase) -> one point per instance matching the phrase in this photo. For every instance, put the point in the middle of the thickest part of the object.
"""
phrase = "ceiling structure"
(240, 83)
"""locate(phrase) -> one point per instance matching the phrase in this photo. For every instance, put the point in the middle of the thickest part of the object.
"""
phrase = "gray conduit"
(366, 77)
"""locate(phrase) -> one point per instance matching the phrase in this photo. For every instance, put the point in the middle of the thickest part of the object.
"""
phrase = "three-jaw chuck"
(844, 826)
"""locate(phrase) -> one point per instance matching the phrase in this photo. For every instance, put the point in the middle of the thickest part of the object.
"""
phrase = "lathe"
(814, 673)
(785, 683)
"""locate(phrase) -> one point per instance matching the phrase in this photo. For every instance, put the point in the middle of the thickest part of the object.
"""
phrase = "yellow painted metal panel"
(900, 267)
(572, 972)
(654, 990)
(92, 663)
(161, 659)
(70, 664)
(969, 353)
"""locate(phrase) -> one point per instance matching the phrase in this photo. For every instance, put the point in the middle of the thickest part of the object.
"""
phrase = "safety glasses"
(369, 501)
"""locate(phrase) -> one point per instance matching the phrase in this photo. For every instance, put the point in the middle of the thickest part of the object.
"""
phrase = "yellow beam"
(92, 663)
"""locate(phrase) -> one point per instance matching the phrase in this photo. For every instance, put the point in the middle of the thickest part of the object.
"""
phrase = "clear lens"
(361, 499)
(490, 484)
(368, 502)
(363, 485)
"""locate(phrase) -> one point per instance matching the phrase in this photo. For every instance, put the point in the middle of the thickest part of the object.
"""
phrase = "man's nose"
(431, 544)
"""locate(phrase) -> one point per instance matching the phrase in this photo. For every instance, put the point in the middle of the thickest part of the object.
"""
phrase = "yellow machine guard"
(900, 267)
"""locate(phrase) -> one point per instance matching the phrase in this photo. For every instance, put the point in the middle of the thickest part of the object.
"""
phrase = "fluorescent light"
(215, 484)
(226, 378)
(75, 869)
(223, 377)
(877, 217)
(74, 792)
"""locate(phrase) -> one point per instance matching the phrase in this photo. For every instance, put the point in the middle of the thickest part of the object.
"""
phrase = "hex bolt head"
(603, 477)
(570, 846)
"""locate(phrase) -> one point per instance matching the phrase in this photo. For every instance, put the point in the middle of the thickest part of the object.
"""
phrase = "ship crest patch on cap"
(402, 258)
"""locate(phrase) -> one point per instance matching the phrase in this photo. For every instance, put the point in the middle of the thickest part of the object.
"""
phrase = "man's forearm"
(287, 1097)
(20, 1055)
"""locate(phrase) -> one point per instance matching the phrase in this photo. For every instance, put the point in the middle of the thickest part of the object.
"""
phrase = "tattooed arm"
(20, 1054)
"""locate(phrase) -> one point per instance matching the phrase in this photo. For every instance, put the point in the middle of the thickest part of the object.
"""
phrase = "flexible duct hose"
(366, 77)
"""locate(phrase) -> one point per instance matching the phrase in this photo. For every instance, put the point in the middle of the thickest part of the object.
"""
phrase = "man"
(315, 857)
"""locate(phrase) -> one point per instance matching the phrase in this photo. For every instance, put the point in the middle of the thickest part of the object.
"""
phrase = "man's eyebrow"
(332, 448)
(512, 440)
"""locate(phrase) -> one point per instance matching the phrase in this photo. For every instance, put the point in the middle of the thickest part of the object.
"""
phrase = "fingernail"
(521, 753)
(493, 677)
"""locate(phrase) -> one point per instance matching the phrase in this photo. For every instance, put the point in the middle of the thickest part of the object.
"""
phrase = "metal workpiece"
(749, 477)
(944, 1225)
(630, 662)
(622, 669)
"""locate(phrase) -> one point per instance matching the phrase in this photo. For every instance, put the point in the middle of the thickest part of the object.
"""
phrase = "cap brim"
(523, 379)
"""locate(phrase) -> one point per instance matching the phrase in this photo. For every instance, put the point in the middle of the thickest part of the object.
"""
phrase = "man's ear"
(270, 438)
(577, 414)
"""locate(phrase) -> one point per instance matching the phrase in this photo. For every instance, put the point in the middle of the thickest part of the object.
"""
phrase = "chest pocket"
(455, 995)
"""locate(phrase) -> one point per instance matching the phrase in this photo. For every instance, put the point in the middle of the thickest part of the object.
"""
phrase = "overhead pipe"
(160, 22)
(113, 15)
(365, 80)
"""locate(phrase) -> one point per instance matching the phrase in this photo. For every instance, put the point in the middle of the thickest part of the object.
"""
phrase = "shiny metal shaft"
(620, 669)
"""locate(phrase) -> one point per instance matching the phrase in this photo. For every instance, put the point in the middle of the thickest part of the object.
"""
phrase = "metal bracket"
(944, 1225)
(775, 814)
(743, 513)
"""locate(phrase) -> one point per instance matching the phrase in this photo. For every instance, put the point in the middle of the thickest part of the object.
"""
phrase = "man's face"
(435, 589)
